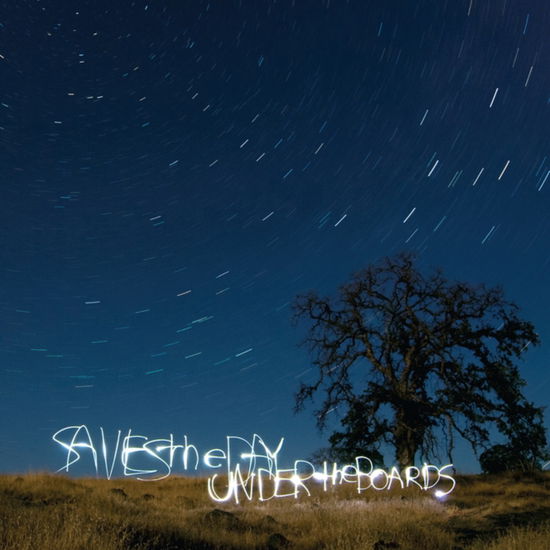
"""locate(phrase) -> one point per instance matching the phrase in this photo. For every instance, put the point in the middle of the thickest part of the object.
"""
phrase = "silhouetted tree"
(525, 449)
(412, 360)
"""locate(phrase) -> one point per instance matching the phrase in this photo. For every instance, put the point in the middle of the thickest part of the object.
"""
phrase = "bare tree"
(412, 360)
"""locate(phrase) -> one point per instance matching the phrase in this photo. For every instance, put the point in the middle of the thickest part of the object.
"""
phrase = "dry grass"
(42, 511)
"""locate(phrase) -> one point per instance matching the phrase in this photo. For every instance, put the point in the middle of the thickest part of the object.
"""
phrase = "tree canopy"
(413, 360)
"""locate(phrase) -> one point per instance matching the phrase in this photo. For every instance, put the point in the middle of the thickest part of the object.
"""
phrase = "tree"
(525, 448)
(412, 360)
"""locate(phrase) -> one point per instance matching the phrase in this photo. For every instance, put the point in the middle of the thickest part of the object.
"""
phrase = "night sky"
(173, 174)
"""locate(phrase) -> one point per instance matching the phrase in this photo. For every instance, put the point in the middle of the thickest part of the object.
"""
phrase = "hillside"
(40, 511)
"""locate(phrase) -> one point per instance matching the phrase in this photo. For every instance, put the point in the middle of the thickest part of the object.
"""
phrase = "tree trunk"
(405, 441)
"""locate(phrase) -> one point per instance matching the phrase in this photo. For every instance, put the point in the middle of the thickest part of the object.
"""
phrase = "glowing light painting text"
(244, 469)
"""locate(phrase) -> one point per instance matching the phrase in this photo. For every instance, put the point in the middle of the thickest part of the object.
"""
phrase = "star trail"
(173, 174)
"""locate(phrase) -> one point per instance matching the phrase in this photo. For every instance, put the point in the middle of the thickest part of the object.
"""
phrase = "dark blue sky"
(174, 173)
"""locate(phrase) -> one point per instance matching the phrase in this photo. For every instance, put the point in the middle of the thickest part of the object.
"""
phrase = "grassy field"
(40, 511)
